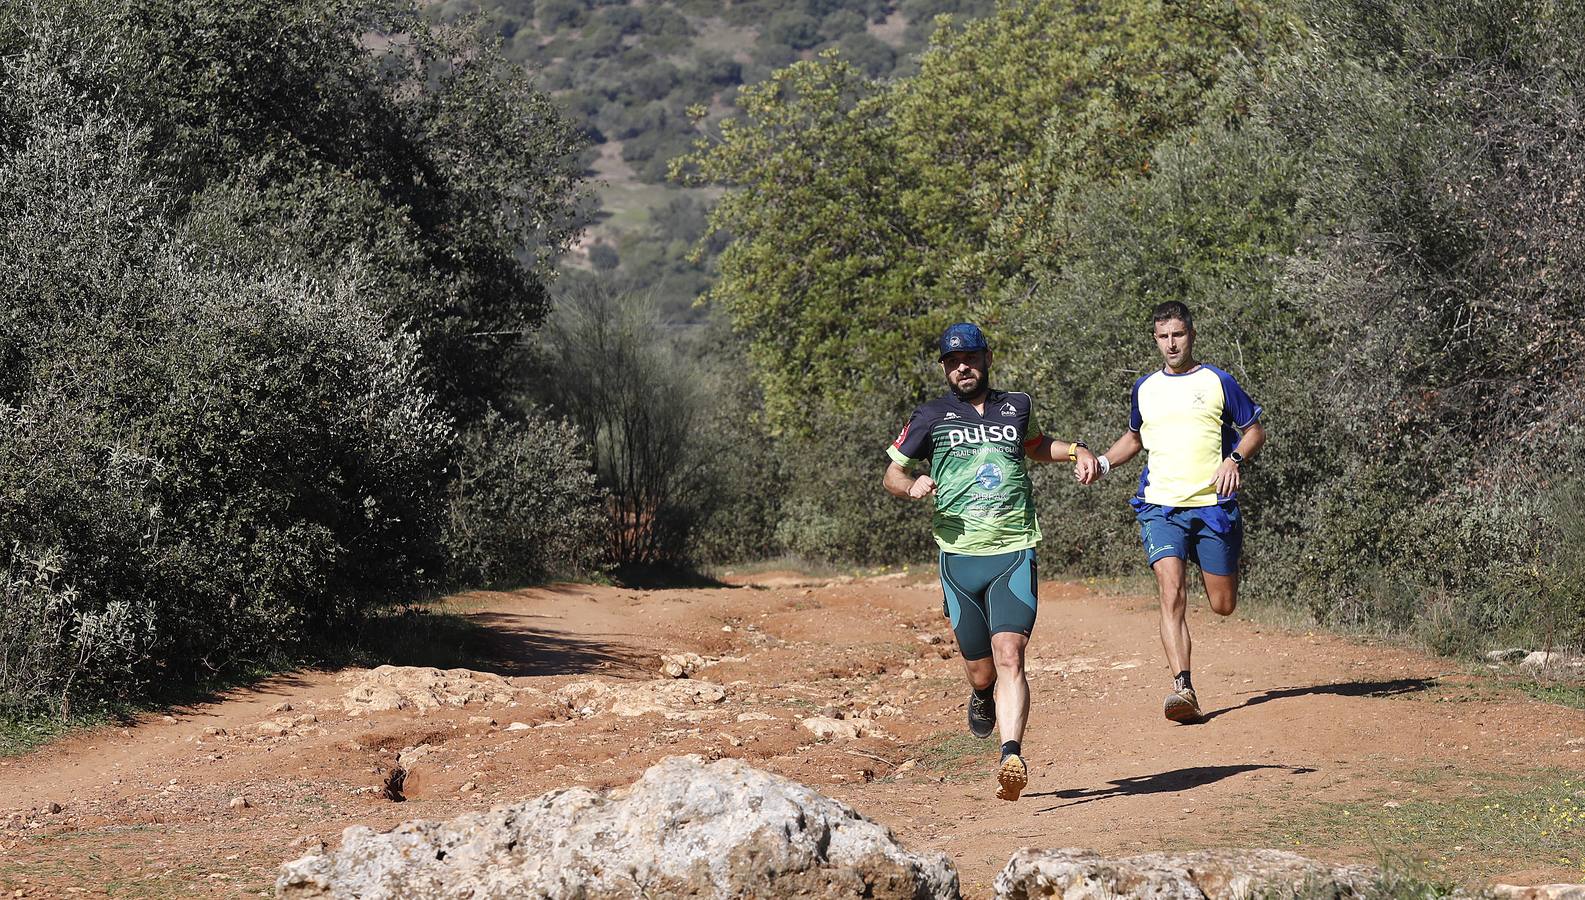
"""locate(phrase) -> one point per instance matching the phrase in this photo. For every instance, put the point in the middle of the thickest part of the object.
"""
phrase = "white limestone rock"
(1073, 874)
(680, 699)
(421, 688)
(682, 665)
(686, 828)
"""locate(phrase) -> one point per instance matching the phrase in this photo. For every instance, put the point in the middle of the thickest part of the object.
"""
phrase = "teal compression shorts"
(986, 595)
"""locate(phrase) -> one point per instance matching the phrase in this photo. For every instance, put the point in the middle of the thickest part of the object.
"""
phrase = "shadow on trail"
(1391, 688)
(655, 578)
(1162, 783)
(510, 647)
(181, 699)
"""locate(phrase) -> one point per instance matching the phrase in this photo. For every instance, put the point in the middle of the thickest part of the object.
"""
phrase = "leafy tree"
(841, 23)
(604, 257)
(869, 54)
(719, 68)
(813, 163)
(555, 15)
(797, 30)
(626, 19)
(279, 123)
(867, 216)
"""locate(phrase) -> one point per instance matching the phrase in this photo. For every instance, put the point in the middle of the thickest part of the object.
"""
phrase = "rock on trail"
(421, 688)
(1075, 874)
(686, 828)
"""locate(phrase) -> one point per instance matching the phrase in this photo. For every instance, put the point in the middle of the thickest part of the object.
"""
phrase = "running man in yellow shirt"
(1198, 427)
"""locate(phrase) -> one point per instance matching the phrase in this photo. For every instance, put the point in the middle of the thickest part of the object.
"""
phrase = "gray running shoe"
(982, 715)
(1182, 706)
(1011, 777)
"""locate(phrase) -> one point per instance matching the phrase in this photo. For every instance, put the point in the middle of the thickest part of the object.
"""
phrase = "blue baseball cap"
(964, 337)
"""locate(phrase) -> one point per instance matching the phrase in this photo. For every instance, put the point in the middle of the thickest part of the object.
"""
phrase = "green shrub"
(523, 503)
(52, 648)
(555, 15)
(638, 405)
(834, 508)
(221, 440)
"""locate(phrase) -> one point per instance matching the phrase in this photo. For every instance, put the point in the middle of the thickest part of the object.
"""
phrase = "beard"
(967, 388)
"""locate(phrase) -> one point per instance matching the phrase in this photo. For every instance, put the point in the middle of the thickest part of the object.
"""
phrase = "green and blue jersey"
(984, 497)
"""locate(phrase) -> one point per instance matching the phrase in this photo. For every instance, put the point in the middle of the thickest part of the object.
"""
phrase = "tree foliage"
(636, 405)
(1373, 208)
(246, 252)
(889, 192)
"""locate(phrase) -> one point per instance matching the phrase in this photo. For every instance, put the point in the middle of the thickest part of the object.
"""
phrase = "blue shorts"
(1212, 536)
(986, 595)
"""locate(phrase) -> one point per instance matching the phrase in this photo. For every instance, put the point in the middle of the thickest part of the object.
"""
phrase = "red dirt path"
(1297, 720)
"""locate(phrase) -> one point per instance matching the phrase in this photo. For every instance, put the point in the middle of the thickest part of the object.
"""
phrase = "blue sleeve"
(1135, 420)
(914, 442)
(1237, 409)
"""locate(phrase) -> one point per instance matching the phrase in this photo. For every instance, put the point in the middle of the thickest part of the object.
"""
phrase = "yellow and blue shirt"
(1188, 424)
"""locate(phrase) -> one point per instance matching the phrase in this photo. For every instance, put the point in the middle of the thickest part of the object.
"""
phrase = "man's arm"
(900, 483)
(1122, 450)
(1228, 478)
(1050, 450)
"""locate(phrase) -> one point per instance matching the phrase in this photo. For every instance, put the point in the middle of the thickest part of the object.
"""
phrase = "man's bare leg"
(981, 672)
(982, 702)
(1222, 591)
(1012, 687)
(1012, 711)
(1181, 705)
(1175, 638)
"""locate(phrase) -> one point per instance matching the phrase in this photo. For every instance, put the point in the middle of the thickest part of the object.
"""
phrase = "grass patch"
(1564, 694)
(19, 735)
(1482, 825)
(950, 752)
(1391, 884)
(1281, 616)
(795, 564)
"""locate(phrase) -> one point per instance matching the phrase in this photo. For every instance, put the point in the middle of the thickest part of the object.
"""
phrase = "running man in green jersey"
(978, 442)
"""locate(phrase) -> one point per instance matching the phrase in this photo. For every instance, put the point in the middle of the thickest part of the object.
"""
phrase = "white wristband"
(1106, 465)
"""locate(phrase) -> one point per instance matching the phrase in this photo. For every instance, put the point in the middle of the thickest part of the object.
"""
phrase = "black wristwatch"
(1236, 457)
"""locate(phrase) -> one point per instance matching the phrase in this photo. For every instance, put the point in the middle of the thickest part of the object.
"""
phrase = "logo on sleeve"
(901, 436)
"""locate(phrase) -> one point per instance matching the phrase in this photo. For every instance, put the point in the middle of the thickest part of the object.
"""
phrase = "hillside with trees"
(640, 78)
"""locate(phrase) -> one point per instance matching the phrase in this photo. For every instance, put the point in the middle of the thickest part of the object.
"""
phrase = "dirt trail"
(1298, 723)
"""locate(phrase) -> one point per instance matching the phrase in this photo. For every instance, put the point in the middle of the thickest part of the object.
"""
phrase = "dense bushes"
(213, 464)
(242, 315)
(523, 503)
